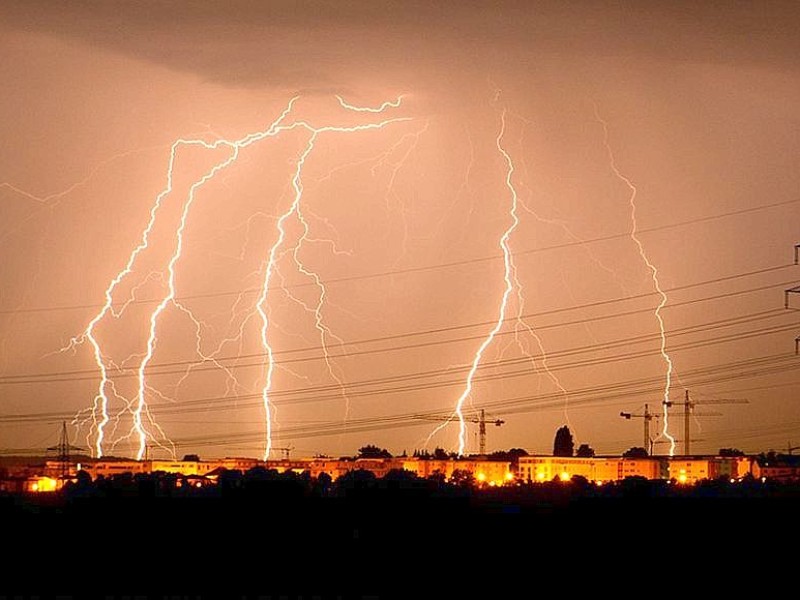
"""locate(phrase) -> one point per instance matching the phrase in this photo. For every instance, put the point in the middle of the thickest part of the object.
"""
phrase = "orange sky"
(702, 117)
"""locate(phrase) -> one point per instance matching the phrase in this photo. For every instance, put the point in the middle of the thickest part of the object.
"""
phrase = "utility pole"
(285, 452)
(647, 416)
(794, 290)
(63, 449)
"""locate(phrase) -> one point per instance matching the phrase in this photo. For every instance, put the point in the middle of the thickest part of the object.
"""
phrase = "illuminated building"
(484, 471)
(685, 469)
(181, 467)
(682, 469)
(335, 468)
(691, 469)
(53, 468)
(490, 472)
(548, 468)
(300, 465)
(109, 468)
(739, 466)
(42, 485)
(331, 467)
(649, 468)
(242, 464)
(781, 467)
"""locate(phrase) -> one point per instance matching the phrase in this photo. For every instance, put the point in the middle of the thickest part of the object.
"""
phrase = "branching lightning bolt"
(520, 322)
(654, 276)
(324, 330)
(262, 300)
(379, 109)
(295, 209)
(142, 421)
(101, 399)
(141, 406)
(508, 277)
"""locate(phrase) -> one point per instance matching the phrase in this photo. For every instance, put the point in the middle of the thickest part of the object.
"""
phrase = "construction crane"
(647, 416)
(689, 412)
(479, 418)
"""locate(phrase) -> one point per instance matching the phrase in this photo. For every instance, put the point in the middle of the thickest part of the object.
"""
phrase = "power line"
(740, 390)
(424, 268)
(604, 345)
(515, 406)
(92, 373)
(410, 419)
(335, 390)
(758, 366)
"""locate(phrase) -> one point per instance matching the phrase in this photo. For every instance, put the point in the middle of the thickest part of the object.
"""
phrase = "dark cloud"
(302, 44)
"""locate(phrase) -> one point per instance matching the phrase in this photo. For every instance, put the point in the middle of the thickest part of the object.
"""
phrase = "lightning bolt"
(653, 275)
(388, 104)
(324, 330)
(508, 277)
(262, 300)
(141, 406)
(143, 424)
(295, 210)
(520, 322)
(89, 334)
(100, 412)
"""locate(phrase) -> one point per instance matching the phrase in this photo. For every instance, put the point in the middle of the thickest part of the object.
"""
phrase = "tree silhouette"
(355, 483)
(585, 451)
(323, 484)
(511, 455)
(730, 452)
(635, 452)
(440, 454)
(462, 478)
(563, 445)
(437, 478)
(371, 451)
(580, 482)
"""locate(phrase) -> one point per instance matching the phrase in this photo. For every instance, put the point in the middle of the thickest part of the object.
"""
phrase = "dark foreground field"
(279, 539)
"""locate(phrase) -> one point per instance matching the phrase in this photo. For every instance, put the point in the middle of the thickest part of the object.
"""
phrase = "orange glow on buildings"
(43, 485)
(530, 469)
(600, 469)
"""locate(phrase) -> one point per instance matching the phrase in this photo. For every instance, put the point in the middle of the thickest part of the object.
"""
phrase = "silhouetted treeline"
(263, 533)
(286, 486)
